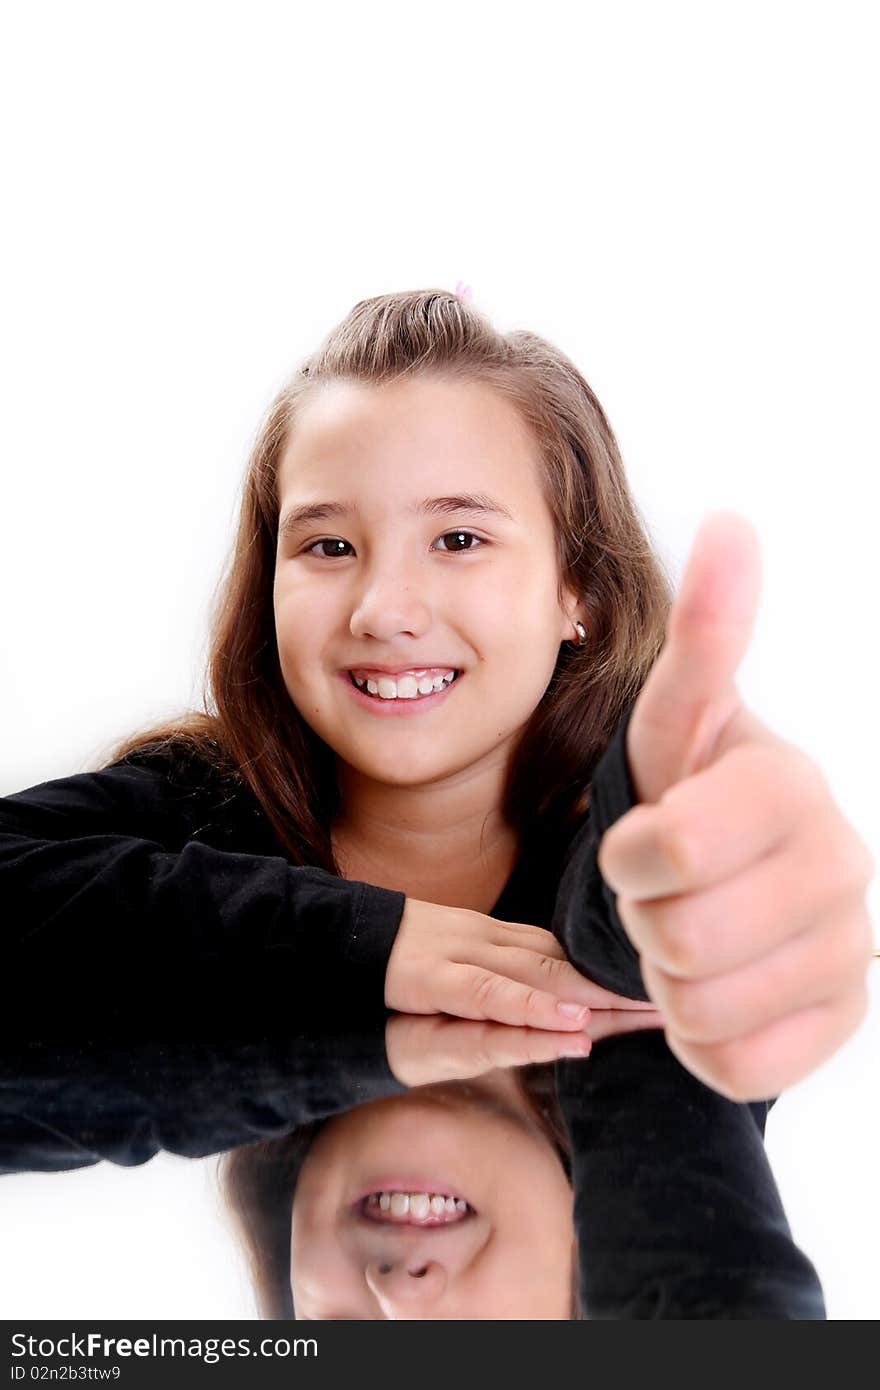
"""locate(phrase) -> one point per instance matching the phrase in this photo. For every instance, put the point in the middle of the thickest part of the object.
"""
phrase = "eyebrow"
(307, 512)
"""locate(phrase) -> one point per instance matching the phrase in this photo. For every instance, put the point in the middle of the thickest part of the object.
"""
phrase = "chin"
(397, 775)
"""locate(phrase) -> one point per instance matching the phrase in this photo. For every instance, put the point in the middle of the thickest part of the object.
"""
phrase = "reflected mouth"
(423, 1210)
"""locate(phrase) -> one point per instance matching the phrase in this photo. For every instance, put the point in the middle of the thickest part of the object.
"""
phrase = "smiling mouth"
(392, 699)
(426, 1211)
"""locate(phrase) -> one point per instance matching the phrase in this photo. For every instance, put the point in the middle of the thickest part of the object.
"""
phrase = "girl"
(442, 612)
(393, 709)
(441, 608)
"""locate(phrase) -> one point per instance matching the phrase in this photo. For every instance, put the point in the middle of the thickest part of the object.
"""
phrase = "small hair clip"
(464, 291)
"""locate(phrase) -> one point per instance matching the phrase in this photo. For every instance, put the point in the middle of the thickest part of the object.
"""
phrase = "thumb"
(690, 694)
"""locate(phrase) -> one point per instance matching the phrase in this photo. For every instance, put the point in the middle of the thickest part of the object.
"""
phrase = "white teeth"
(418, 1205)
(406, 688)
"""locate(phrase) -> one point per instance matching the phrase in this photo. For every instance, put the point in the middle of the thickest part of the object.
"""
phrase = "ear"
(571, 612)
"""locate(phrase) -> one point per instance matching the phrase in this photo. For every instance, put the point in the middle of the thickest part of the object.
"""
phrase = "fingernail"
(576, 1049)
(578, 1011)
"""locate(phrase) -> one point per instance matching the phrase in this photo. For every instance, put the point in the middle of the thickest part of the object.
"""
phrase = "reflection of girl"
(498, 1141)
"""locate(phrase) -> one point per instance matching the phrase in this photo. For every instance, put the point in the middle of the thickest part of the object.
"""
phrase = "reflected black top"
(174, 983)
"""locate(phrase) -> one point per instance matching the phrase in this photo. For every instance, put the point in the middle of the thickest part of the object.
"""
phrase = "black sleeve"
(120, 922)
(72, 1106)
(676, 1209)
(585, 918)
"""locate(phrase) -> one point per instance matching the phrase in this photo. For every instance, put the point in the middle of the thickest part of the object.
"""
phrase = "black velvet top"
(174, 983)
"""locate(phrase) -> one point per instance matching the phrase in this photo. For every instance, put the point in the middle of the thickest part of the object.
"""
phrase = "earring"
(582, 635)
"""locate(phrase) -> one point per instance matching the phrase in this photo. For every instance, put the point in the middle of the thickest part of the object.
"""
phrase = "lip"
(407, 1183)
(403, 670)
(430, 1223)
(396, 709)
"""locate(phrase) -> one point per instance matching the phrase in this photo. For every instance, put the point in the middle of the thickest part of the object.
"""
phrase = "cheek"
(298, 632)
(319, 1267)
(532, 611)
(523, 658)
(294, 595)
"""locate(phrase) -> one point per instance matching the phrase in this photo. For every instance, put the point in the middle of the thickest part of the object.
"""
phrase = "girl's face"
(434, 548)
(512, 1255)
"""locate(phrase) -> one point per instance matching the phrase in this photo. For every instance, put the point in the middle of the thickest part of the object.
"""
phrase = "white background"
(681, 196)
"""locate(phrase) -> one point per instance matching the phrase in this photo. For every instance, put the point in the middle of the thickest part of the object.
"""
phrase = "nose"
(406, 1289)
(390, 601)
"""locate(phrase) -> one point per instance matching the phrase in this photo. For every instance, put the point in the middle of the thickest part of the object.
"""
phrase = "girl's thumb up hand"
(451, 960)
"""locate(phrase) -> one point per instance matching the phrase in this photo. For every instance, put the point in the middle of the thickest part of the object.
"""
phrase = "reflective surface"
(616, 1186)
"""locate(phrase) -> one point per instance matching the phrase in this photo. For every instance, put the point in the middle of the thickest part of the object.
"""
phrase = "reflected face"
(511, 1255)
(394, 577)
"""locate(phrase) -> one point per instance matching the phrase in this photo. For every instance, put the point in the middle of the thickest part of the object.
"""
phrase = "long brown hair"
(250, 729)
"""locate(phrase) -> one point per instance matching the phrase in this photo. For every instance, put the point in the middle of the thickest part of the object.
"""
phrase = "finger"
(438, 1048)
(762, 1064)
(690, 691)
(527, 937)
(544, 943)
(711, 619)
(814, 968)
(711, 825)
(503, 1046)
(699, 934)
(553, 973)
(468, 991)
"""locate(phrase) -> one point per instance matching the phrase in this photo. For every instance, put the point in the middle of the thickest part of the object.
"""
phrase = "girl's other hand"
(451, 960)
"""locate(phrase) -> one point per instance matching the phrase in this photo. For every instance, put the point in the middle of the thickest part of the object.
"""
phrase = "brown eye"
(329, 540)
(462, 535)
